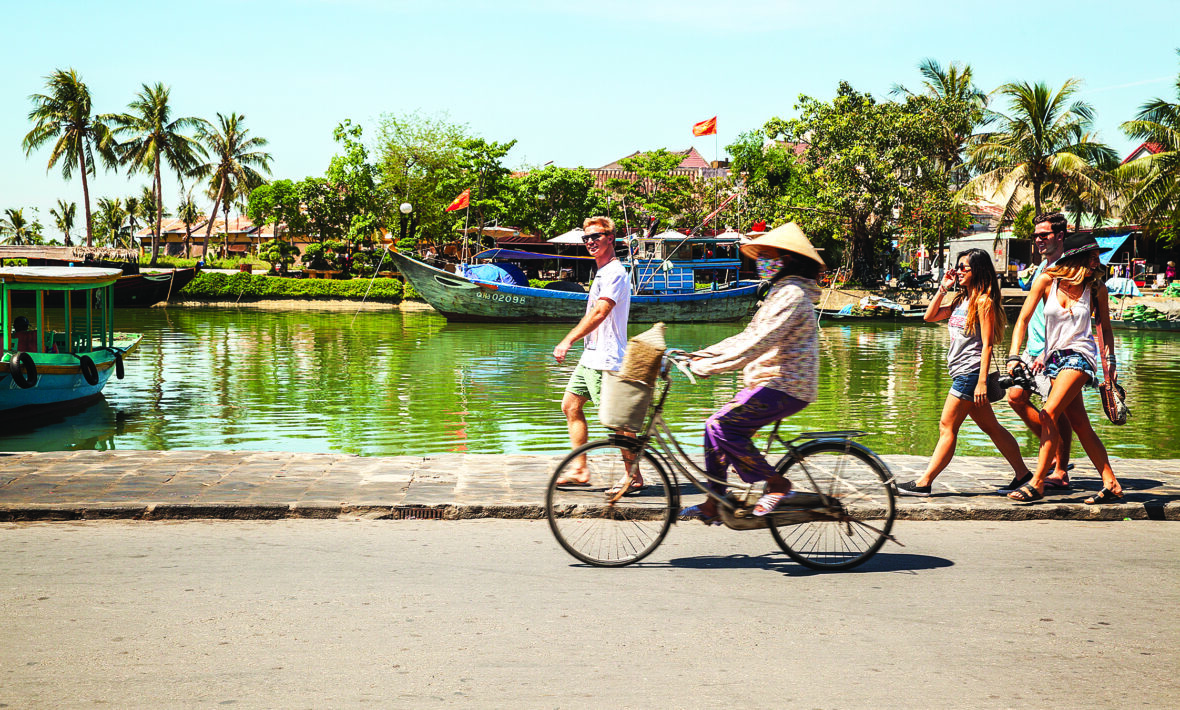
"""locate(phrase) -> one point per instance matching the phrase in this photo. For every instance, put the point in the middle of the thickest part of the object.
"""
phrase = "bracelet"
(1015, 358)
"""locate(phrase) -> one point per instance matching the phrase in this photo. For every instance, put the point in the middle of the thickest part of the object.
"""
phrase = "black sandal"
(1104, 496)
(1026, 494)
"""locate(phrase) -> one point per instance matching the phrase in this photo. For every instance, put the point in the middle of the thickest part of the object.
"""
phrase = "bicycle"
(839, 514)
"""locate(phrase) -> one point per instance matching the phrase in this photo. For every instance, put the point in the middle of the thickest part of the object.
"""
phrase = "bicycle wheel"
(858, 524)
(597, 532)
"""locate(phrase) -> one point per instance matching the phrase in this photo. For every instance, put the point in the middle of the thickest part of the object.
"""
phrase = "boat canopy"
(1113, 243)
(515, 255)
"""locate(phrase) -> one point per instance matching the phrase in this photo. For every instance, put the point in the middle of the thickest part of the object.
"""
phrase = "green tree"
(771, 178)
(355, 180)
(1154, 200)
(1041, 144)
(863, 159)
(64, 116)
(109, 223)
(958, 109)
(1022, 226)
(63, 218)
(188, 213)
(17, 230)
(553, 200)
(481, 168)
(654, 190)
(418, 159)
(153, 137)
(236, 159)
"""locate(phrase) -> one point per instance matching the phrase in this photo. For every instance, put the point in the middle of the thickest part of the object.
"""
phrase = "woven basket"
(627, 394)
(641, 360)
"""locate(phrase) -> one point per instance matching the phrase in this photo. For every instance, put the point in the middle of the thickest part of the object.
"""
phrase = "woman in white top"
(1072, 289)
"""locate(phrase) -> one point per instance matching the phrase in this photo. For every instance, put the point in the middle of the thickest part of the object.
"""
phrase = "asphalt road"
(491, 613)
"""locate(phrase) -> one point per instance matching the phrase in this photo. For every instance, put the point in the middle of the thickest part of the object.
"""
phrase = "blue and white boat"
(59, 355)
(698, 287)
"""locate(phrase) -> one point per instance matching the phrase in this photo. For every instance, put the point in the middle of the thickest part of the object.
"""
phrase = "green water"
(391, 383)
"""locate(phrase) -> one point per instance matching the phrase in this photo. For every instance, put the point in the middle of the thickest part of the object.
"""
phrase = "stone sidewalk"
(169, 485)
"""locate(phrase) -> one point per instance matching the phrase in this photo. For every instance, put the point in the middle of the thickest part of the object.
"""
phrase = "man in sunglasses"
(603, 331)
(1049, 232)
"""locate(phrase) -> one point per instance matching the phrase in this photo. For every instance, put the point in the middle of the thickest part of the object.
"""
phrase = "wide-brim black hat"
(1080, 244)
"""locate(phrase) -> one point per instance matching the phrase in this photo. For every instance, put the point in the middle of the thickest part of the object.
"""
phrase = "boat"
(58, 356)
(134, 288)
(1154, 325)
(663, 288)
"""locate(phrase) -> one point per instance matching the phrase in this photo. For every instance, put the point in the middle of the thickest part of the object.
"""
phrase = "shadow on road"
(777, 562)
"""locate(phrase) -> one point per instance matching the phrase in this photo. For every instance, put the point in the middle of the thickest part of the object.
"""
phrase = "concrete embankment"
(169, 485)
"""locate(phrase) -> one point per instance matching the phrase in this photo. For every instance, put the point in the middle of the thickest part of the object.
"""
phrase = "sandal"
(1016, 482)
(768, 502)
(633, 488)
(695, 512)
(1026, 494)
(1064, 485)
(1104, 496)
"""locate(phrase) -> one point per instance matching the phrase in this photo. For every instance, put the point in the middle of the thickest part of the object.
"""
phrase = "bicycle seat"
(842, 434)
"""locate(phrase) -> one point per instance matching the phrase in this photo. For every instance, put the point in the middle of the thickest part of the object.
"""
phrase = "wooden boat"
(65, 355)
(880, 314)
(663, 287)
(1154, 325)
(133, 287)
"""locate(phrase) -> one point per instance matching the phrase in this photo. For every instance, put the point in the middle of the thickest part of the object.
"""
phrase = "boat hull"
(1166, 325)
(461, 299)
(59, 379)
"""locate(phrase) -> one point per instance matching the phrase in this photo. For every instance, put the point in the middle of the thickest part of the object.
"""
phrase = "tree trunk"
(188, 240)
(225, 240)
(1036, 197)
(212, 215)
(86, 198)
(156, 187)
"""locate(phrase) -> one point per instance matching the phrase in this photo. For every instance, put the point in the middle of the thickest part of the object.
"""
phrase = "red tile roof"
(692, 160)
(1143, 149)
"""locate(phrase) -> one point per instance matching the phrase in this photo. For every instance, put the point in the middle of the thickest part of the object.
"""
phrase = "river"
(382, 383)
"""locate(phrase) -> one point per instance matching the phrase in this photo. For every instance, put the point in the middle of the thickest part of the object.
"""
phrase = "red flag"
(705, 128)
(758, 226)
(461, 201)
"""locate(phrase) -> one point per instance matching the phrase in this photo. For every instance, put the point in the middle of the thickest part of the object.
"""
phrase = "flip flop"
(573, 483)
(1016, 482)
(694, 512)
(1054, 485)
(1026, 494)
(633, 489)
(1104, 496)
(768, 502)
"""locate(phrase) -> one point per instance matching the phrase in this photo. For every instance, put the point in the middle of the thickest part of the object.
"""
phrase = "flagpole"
(466, 216)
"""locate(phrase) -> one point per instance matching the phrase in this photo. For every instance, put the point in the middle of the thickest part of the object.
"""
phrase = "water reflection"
(387, 383)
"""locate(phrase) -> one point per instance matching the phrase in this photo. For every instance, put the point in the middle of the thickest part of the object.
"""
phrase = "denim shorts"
(1068, 360)
(963, 386)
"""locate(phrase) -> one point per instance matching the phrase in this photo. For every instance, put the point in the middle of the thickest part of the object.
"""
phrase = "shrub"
(249, 287)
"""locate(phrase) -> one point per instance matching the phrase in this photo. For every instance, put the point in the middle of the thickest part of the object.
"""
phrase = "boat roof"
(62, 275)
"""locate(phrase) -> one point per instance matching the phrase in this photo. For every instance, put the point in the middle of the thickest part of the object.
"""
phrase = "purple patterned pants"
(729, 433)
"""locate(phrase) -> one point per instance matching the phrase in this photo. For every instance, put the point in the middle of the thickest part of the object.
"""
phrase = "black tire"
(610, 535)
(863, 510)
(88, 368)
(118, 362)
(23, 370)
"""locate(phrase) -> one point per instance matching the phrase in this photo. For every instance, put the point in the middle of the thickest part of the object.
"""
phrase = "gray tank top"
(966, 351)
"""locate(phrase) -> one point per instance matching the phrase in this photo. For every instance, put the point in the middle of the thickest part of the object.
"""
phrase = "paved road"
(157, 485)
(491, 613)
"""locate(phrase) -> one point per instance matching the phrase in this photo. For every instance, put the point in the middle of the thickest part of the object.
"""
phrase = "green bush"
(249, 287)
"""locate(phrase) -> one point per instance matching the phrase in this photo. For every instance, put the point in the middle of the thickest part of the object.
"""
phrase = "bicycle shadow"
(778, 562)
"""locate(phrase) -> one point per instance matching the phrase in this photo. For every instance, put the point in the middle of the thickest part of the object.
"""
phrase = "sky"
(575, 83)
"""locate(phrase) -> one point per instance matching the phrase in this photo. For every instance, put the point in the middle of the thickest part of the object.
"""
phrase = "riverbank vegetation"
(214, 286)
(858, 172)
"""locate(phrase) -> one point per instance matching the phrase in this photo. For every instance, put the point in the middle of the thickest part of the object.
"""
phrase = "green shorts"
(586, 382)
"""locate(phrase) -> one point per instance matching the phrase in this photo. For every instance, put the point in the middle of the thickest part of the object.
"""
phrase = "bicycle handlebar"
(680, 359)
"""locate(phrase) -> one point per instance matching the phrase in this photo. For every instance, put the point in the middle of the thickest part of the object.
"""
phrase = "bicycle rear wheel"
(596, 531)
(860, 518)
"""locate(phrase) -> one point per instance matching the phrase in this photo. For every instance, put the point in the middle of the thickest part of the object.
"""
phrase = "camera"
(1020, 377)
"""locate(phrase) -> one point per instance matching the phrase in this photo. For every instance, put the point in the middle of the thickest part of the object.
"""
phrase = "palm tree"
(188, 213)
(235, 156)
(63, 115)
(1042, 144)
(135, 209)
(17, 230)
(953, 84)
(1155, 194)
(63, 218)
(153, 137)
(109, 222)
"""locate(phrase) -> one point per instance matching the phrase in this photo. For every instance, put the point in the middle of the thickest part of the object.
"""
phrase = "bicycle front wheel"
(860, 515)
(599, 532)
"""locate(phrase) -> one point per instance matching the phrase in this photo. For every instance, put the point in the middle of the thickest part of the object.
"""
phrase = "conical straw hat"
(786, 237)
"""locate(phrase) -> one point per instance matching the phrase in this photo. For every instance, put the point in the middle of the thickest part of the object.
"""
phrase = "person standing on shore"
(604, 331)
(1072, 290)
(1049, 237)
(976, 322)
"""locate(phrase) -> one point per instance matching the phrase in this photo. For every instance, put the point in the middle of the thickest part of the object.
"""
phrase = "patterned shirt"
(779, 349)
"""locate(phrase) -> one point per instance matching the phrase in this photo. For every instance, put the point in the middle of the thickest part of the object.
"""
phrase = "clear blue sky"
(578, 83)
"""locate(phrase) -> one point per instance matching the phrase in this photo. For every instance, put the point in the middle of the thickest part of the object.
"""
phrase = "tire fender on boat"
(88, 368)
(118, 361)
(23, 370)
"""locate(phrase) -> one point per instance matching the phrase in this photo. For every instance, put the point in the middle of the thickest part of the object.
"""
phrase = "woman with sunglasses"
(1072, 290)
(976, 322)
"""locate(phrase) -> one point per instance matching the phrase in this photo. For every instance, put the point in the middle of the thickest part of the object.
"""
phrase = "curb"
(1149, 510)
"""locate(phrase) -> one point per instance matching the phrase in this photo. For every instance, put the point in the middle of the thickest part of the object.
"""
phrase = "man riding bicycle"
(778, 353)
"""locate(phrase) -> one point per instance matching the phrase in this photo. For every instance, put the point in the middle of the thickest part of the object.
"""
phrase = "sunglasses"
(587, 238)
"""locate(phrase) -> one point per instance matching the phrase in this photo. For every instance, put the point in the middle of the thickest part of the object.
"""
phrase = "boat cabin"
(672, 263)
(51, 325)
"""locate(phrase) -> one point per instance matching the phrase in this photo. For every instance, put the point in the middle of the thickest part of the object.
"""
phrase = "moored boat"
(661, 293)
(134, 287)
(55, 356)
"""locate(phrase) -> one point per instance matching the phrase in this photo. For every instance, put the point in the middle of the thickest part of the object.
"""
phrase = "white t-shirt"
(604, 345)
